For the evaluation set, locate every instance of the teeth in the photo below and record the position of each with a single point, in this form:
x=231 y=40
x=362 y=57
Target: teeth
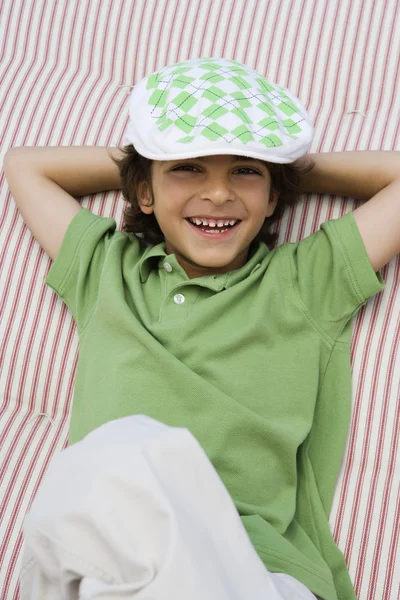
x=211 y=223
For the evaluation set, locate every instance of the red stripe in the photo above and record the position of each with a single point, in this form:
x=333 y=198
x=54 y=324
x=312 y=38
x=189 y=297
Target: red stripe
x=217 y=22
x=190 y=52
x=267 y=6
x=394 y=546
x=227 y=28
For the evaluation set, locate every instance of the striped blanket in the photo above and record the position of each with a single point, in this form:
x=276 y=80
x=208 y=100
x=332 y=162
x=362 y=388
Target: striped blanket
x=66 y=70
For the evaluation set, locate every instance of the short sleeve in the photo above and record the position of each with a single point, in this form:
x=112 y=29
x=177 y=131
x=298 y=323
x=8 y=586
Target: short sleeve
x=331 y=273
x=75 y=274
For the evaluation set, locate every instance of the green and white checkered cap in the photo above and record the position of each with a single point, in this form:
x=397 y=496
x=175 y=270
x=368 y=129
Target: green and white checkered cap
x=210 y=106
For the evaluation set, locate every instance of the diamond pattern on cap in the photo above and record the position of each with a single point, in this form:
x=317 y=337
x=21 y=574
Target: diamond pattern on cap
x=238 y=103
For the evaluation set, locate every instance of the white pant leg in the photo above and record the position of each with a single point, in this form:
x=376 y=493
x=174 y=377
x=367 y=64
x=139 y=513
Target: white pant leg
x=136 y=509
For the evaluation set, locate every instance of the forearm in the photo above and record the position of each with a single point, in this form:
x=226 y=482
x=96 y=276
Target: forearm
x=79 y=170
x=359 y=174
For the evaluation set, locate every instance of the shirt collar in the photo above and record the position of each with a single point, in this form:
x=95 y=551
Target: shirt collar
x=152 y=256
x=148 y=262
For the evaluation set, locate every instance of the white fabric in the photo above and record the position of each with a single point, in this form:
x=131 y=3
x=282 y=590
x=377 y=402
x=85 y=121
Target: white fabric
x=209 y=106
x=136 y=509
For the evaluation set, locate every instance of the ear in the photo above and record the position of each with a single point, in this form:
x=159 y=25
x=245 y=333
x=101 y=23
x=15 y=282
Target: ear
x=272 y=203
x=144 y=199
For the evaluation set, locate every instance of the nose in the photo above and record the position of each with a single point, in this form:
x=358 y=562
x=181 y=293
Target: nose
x=218 y=189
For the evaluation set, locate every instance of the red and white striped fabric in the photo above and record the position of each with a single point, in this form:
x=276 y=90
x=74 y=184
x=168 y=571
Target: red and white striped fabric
x=66 y=68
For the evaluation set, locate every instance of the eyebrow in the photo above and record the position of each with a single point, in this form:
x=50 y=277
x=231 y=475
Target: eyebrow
x=203 y=158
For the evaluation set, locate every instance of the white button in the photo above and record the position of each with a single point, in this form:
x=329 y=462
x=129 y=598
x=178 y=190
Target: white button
x=179 y=298
x=167 y=267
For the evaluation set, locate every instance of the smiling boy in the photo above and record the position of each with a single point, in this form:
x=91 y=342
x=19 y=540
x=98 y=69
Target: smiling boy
x=231 y=207
x=245 y=347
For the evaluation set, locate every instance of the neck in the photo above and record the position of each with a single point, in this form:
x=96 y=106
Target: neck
x=193 y=270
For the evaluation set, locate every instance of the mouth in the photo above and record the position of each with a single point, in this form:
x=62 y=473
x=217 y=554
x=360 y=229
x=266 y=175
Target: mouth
x=211 y=229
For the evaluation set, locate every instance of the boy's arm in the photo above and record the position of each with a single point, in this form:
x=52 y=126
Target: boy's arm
x=79 y=170
x=359 y=174
x=370 y=175
x=44 y=181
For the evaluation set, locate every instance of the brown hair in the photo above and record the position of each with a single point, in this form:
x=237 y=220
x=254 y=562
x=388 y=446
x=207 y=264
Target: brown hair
x=134 y=168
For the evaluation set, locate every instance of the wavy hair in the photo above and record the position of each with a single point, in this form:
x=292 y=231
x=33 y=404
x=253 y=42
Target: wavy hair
x=135 y=168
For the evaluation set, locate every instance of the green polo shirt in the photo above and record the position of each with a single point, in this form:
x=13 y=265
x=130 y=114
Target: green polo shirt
x=255 y=363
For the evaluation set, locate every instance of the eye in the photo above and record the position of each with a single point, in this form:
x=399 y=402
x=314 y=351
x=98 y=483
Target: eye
x=248 y=169
x=183 y=168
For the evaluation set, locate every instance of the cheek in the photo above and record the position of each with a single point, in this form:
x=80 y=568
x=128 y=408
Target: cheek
x=167 y=213
x=259 y=208
x=170 y=198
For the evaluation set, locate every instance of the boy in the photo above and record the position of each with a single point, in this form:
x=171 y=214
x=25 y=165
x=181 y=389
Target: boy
x=247 y=348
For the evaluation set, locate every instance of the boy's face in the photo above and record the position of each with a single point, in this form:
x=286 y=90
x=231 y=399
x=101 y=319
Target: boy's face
x=211 y=188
